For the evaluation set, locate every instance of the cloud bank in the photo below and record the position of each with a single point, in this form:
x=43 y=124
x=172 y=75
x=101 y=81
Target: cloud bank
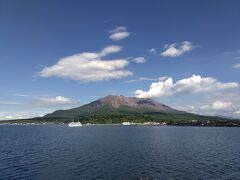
x=194 y=84
x=36 y=106
x=217 y=105
x=196 y=94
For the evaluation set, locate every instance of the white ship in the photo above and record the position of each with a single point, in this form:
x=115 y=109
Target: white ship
x=74 y=124
x=126 y=123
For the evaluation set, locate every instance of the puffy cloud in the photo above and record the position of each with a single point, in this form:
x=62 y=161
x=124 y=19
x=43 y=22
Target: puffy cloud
x=177 y=49
x=237 y=66
x=161 y=88
x=196 y=94
x=119 y=33
x=88 y=66
x=217 y=105
x=198 y=84
x=139 y=60
x=194 y=84
x=221 y=105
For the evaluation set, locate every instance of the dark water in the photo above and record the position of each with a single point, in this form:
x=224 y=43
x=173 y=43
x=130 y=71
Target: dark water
x=119 y=152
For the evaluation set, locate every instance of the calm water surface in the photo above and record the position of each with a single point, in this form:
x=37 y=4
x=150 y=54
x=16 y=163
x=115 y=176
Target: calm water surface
x=119 y=152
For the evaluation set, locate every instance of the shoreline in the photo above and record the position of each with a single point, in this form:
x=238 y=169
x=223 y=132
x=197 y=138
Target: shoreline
x=136 y=124
x=32 y=124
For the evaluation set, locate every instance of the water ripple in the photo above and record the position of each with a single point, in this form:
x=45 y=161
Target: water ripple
x=116 y=152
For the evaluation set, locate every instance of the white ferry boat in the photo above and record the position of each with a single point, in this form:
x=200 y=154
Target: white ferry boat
x=75 y=124
x=126 y=123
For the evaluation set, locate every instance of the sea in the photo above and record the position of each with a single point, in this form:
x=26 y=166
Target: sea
x=118 y=152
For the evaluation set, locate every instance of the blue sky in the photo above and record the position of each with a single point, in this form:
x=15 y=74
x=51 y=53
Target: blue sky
x=61 y=54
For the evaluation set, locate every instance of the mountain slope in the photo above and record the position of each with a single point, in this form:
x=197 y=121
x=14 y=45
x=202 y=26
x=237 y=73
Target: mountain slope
x=115 y=105
x=117 y=109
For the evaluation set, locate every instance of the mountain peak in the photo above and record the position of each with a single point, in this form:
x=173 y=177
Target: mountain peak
x=134 y=102
x=116 y=105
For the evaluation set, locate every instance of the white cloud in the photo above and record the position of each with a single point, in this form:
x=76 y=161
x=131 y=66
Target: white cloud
x=224 y=103
x=177 y=49
x=162 y=78
x=146 y=79
x=235 y=52
x=237 y=112
x=152 y=51
x=110 y=50
x=217 y=105
x=237 y=66
x=221 y=105
x=35 y=107
x=214 y=108
x=196 y=94
x=20 y=95
x=10 y=103
x=88 y=66
x=161 y=88
x=6 y=115
x=53 y=101
x=17 y=116
x=119 y=33
x=139 y=60
x=9 y=115
x=194 y=84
